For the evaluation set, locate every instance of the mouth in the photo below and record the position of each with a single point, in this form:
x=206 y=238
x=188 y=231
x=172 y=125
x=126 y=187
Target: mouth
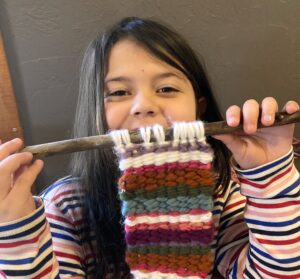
x=136 y=129
x=165 y=124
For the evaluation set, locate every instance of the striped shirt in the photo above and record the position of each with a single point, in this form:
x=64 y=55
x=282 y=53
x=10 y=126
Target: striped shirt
x=257 y=236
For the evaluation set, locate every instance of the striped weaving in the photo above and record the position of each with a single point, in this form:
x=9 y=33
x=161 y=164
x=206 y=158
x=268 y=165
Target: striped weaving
x=166 y=189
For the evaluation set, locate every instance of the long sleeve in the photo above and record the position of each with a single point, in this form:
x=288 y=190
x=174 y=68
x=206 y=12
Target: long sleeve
x=26 y=249
x=260 y=229
x=64 y=212
x=47 y=243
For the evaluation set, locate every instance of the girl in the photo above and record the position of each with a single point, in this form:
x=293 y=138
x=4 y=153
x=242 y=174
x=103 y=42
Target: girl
x=141 y=73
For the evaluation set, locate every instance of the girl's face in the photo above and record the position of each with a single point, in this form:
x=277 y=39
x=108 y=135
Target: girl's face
x=141 y=90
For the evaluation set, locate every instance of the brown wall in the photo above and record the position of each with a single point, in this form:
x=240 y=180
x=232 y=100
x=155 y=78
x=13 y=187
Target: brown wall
x=9 y=117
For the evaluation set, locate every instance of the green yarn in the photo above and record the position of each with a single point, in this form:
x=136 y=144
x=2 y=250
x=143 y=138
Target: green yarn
x=164 y=204
x=167 y=250
x=169 y=192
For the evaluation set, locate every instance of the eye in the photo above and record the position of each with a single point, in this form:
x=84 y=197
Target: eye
x=117 y=93
x=167 y=89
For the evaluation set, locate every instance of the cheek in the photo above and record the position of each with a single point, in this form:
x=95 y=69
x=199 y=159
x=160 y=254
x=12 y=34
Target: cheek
x=185 y=113
x=183 y=108
x=115 y=115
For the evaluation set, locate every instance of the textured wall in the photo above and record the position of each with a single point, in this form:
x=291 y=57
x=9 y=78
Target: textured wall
x=251 y=50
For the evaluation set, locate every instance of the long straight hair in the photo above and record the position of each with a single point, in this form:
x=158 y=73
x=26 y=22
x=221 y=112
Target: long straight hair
x=97 y=169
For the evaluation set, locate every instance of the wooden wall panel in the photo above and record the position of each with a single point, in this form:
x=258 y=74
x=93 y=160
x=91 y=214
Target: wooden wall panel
x=9 y=117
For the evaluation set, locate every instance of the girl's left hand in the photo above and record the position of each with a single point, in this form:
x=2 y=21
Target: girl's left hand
x=254 y=147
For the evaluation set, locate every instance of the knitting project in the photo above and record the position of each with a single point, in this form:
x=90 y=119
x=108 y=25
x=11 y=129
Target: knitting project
x=166 y=189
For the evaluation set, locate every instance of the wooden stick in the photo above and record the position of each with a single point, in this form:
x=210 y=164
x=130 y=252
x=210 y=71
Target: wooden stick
x=103 y=141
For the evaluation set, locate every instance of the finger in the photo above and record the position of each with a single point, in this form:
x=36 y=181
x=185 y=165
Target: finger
x=227 y=139
x=18 y=172
x=291 y=107
x=27 y=178
x=233 y=116
x=10 y=147
x=250 y=116
x=12 y=163
x=7 y=169
x=269 y=107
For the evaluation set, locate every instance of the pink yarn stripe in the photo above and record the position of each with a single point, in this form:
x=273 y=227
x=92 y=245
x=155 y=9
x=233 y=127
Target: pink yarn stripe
x=182 y=226
x=169 y=166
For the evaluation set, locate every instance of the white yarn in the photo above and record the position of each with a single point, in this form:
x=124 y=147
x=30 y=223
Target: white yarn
x=200 y=131
x=159 y=134
x=180 y=132
x=192 y=218
x=121 y=139
x=145 y=133
x=191 y=133
x=159 y=275
x=183 y=133
x=126 y=137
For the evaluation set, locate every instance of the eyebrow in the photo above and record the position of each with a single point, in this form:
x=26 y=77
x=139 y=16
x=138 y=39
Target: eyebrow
x=155 y=78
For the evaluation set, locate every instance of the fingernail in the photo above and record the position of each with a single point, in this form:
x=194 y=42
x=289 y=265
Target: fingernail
x=268 y=117
x=232 y=121
x=251 y=128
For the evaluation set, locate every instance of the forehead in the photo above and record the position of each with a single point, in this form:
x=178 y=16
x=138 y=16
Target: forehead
x=128 y=55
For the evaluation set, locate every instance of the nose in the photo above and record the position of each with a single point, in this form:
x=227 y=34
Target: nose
x=144 y=105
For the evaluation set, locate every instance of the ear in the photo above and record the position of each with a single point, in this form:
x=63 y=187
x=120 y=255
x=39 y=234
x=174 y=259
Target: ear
x=201 y=107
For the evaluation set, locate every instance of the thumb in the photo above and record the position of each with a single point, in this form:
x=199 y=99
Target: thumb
x=233 y=142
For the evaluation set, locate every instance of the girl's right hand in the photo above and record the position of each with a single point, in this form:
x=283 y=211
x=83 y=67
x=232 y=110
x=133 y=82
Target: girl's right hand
x=17 y=174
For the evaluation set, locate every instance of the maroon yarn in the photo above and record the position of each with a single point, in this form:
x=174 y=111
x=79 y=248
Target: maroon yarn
x=203 y=236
